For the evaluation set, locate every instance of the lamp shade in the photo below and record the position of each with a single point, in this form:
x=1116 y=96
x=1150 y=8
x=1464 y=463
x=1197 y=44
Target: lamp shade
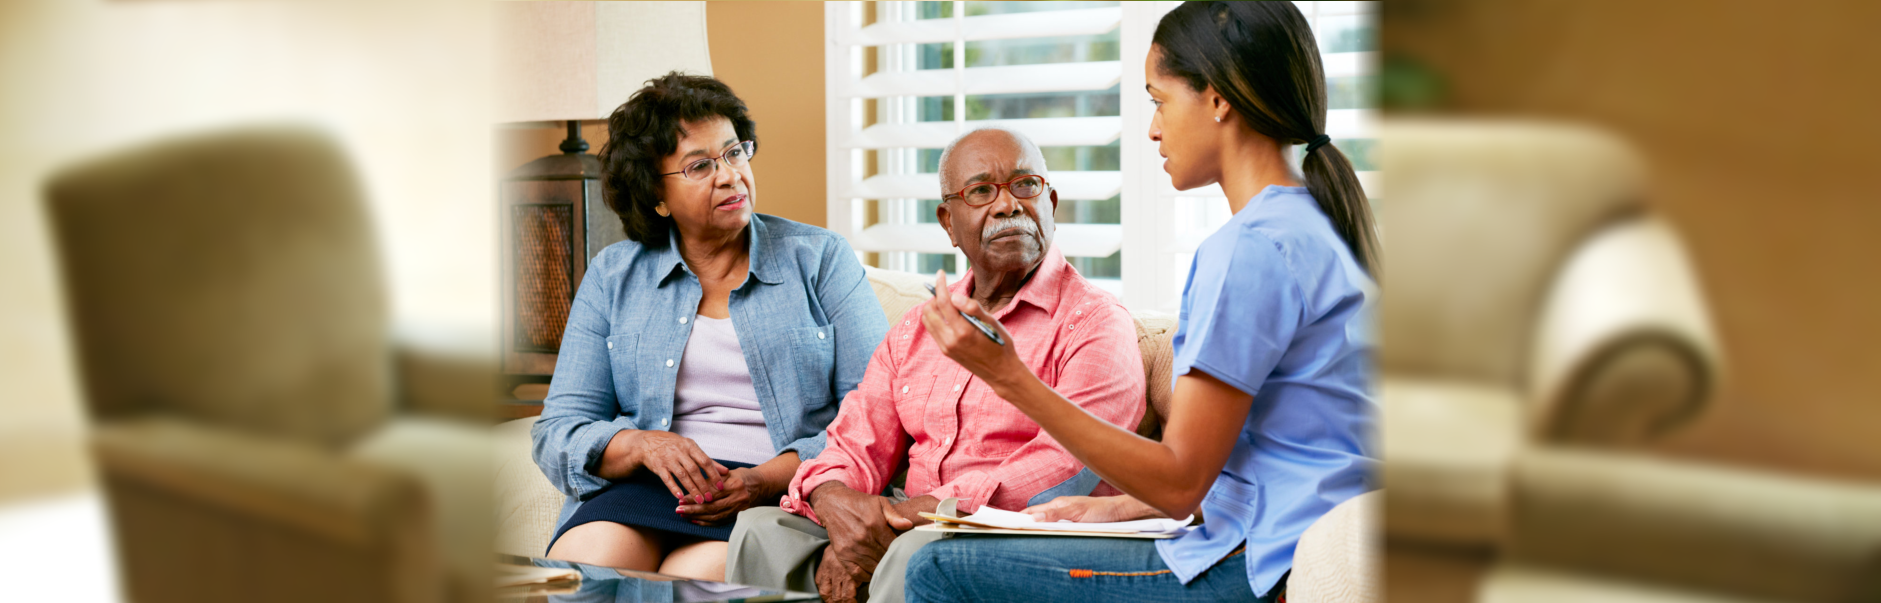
x=579 y=60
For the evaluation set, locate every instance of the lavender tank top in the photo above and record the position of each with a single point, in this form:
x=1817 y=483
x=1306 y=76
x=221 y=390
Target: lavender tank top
x=713 y=401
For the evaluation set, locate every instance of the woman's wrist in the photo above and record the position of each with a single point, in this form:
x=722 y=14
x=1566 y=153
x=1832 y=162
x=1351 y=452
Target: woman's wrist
x=1132 y=509
x=621 y=456
x=1011 y=382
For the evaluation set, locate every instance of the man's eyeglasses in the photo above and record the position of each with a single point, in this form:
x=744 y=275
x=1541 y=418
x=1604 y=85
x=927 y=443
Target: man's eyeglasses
x=982 y=193
x=737 y=156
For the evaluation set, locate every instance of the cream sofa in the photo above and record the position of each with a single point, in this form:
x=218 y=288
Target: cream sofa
x=527 y=505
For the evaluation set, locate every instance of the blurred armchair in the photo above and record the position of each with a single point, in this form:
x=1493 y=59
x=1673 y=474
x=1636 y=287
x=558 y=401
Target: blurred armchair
x=1529 y=299
x=1540 y=329
x=225 y=299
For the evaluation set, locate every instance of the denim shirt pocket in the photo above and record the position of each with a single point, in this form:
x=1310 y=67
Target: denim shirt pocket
x=621 y=352
x=813 y=363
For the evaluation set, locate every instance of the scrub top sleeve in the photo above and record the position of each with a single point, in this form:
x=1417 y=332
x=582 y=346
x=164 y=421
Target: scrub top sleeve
x=1243 y=309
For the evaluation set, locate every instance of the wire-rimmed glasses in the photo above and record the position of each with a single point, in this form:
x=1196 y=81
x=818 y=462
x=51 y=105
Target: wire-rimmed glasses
x=736 y=156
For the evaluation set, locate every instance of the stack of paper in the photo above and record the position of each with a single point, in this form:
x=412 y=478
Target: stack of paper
x=997 y=521
x=520 y=575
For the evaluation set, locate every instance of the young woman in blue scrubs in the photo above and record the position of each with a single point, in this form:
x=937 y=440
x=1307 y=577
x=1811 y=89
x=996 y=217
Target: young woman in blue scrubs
x=1272 y=422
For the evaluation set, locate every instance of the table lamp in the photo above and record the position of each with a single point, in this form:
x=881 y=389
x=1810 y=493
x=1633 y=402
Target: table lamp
x=560 y=63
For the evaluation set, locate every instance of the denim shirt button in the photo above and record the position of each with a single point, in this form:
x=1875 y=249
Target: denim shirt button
x=682 y=320
x=819 y=334
x=669 y=362
x=610 y=345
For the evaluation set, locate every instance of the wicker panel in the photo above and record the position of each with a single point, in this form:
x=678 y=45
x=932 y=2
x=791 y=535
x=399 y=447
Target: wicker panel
x=544 y=275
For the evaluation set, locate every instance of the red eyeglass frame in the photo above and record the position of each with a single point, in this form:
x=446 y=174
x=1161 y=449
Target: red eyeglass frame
x=1043 y=186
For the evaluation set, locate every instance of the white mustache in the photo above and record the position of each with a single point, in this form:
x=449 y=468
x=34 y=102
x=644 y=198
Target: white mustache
x=1021 y=221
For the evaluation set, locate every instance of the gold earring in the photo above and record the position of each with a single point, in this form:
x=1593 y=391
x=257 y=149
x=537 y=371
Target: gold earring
x=662 y=211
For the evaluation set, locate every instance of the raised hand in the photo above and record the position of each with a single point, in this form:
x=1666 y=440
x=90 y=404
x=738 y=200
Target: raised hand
x=962 y=342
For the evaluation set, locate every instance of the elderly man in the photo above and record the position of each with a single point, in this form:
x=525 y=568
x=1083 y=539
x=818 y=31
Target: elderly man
x=918 y=410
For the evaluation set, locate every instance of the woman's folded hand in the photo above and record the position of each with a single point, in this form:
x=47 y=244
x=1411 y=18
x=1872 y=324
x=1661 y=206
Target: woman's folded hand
x=687 y=471
x=741 y=489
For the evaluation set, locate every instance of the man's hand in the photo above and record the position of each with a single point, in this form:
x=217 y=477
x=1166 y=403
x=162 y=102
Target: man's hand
x=840 y=580
x=860 y=527
x=1092 y=509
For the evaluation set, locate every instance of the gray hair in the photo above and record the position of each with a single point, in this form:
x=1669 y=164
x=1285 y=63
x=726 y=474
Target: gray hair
x=1025 y=144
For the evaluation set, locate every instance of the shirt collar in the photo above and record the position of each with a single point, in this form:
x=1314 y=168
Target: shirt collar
x=759 y=265
x=1044 y=289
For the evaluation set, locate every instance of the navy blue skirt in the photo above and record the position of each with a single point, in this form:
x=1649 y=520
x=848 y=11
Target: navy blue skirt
x=642 y=501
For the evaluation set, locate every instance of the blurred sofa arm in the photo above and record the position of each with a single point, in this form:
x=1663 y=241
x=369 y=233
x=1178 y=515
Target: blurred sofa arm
x=207 y=514
x=1694 y=526
x=1623 y=351
x=1340 y=558
x=446 y=370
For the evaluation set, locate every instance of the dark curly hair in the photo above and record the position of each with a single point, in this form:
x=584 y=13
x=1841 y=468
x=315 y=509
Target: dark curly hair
x=644 y=130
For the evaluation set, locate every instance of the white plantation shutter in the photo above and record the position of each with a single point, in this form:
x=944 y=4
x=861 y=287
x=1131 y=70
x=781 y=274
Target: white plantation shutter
x=1164 y=226
x=943 y=68
x=1121 y=221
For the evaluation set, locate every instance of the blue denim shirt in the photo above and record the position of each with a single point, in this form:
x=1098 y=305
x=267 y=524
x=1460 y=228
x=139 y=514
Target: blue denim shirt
x=806 y=317
x=1276 y=307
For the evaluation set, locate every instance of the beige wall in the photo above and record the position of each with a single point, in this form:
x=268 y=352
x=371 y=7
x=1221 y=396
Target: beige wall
x=771 y=54
x=1760 y=124
x=402 y=85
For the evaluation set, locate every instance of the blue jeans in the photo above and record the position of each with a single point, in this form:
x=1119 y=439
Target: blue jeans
x=1069 y=569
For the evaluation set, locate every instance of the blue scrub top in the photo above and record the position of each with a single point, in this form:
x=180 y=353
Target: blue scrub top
x=1277 y=307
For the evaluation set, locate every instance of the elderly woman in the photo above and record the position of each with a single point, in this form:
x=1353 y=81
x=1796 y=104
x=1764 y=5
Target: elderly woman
x=705 y=355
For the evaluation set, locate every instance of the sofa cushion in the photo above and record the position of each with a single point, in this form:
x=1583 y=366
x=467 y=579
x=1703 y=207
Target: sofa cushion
x=527 y=505
x=1155 y=334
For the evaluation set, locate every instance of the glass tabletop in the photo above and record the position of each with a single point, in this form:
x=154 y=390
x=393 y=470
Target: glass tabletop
x=598 y=584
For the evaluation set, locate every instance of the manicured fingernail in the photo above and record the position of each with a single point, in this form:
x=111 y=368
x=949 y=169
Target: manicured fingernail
x=721 y=485
x=708 y=498
x=698 y=498
x=679 y=510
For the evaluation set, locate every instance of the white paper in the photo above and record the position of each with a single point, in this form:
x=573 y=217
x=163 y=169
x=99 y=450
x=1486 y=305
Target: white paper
x=1013 y=520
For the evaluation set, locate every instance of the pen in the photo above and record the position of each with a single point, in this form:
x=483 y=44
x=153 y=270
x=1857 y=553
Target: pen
x=990 y=333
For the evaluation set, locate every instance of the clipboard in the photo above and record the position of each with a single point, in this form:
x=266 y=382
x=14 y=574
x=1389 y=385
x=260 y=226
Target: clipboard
x=946 y=520
x=937 y=526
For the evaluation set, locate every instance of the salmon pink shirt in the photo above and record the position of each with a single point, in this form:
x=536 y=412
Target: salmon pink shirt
x=917 y=408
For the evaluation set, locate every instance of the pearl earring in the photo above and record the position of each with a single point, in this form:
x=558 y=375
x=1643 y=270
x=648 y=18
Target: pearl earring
x=1217 y=120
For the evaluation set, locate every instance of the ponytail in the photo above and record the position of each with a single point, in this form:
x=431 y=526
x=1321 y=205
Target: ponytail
x=1262 y=58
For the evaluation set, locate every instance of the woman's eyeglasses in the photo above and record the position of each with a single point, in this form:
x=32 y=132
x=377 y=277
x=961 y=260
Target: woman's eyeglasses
x=737 y=156
x=982 y=193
